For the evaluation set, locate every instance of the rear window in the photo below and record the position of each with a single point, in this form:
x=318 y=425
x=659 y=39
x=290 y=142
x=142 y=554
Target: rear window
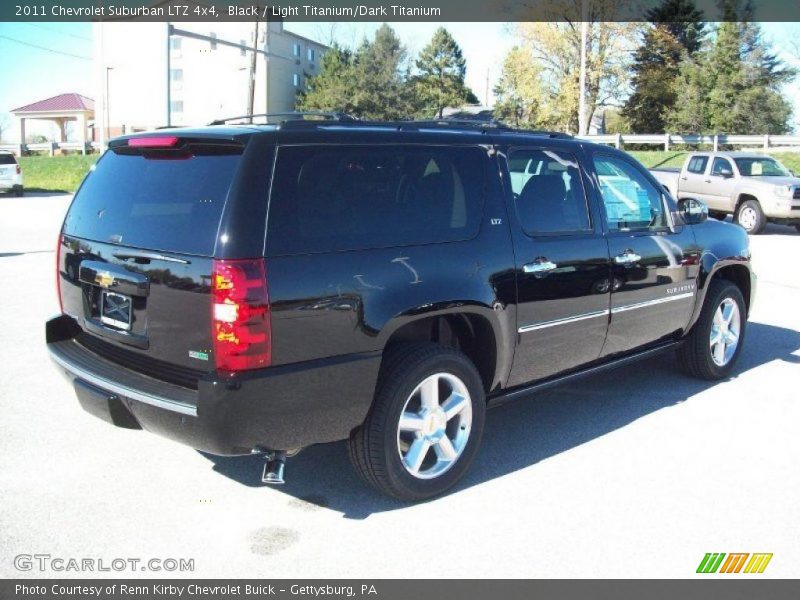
x=163 y=203
x=697 y=164
x=7 y=159
x=355 y=197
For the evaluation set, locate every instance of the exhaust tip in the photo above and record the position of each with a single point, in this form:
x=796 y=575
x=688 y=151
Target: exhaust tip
x=274 y=468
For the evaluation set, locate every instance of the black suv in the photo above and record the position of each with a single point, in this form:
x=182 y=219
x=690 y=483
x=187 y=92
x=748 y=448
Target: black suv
x=262 y=288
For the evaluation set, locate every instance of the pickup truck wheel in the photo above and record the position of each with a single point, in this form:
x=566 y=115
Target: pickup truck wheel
x=425 y=425
x=751 y=217
x=711 y=349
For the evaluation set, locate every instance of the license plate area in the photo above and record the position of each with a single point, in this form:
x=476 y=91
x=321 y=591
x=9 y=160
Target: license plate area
x=116 y=310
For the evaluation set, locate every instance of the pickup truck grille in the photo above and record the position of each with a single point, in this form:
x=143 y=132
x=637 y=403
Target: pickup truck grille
x=157 y=369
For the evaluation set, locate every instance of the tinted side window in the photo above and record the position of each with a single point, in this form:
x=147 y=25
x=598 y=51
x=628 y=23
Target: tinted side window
x=631 y=202
x=548 y=192
x=697 y=164
x=7 y=159
x=719 y=165
x=327 y=198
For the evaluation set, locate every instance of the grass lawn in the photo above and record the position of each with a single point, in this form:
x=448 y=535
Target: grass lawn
x=659 y=158
x=55 y=173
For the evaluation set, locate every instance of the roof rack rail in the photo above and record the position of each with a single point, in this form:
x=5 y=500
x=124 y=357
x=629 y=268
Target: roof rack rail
x=290 y=116
x=498 y=126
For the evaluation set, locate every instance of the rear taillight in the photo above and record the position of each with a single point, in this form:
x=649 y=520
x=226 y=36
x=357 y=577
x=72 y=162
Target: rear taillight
x=19 y=170
x=241 y=323
x=58 y=272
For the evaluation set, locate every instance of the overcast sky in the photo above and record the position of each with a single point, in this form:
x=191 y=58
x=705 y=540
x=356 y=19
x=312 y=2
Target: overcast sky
x=45 y=59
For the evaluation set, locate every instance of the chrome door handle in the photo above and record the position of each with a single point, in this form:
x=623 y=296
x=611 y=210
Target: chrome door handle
x=626 y=258
x=684 y=178
x=539 y=266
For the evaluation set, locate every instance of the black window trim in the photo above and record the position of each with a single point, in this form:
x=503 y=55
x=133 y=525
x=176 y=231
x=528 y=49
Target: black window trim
x=483 y=149
x=707 y=158
x=669 y=228
x=591 y=231
x=726 y=159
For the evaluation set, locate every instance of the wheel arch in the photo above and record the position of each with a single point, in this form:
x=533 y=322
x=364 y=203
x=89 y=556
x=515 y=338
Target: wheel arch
x=735 y=271
x=475 y=331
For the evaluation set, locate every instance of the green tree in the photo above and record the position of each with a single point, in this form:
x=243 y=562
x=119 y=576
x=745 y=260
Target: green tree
x=738 y=81
x=380 y=85
x=331 y=88
x=439 y=82
x=520 y=99
x=370 y=83
x=675 y=34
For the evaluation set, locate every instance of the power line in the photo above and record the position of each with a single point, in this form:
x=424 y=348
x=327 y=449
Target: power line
x=10 y=39
x=59 y=31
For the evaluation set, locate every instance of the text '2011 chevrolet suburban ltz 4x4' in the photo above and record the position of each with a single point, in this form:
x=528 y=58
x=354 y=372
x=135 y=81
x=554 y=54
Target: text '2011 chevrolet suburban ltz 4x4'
x=263 y=288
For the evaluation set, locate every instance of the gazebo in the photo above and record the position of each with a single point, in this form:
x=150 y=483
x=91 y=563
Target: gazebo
x=59 y=109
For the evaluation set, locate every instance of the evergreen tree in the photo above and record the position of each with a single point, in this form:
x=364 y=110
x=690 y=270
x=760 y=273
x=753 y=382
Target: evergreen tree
x=738 y=81
x=675 y=34
x=331 y=88
x=380 y=86
x=440 y=81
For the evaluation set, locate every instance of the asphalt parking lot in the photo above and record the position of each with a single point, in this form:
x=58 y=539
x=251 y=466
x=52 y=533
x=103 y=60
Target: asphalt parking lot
x=634 y=474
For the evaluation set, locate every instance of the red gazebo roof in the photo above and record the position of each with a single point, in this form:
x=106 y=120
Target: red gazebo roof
x=62 y=102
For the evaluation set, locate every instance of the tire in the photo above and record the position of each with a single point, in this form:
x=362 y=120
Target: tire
x=19 y=192
x=382 y=453
x=797 y=227
x=750 y=217
x=719 y=216
x=696 y=356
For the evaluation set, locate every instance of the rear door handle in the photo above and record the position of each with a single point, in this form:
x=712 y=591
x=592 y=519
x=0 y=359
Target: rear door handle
x=627 y=258
x=539 y=266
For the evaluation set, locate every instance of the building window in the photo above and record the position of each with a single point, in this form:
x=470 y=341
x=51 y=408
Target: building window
x=296 y=79
x=213 y=41
x=243 y=50
x=175 y=43
x=176 y=106
x=176 y=75
x=297 y=50
x=310 y=55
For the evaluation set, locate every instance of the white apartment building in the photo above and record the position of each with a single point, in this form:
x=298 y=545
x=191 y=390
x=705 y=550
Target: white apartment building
x=150 y=75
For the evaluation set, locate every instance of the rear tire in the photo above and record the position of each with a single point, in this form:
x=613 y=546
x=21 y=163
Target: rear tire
x=711 y=349
x=19 y=192
x=425 y=425
x=750 y=217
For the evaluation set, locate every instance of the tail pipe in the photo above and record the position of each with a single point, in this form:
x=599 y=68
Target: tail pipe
x=274 y=467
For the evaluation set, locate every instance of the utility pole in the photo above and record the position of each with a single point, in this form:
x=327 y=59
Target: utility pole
x=169 y=74
x=252 y=92
x=486 y=95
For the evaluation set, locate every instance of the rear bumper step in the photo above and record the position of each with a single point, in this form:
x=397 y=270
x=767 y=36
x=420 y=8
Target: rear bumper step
x=80 y=363
x=287 y=406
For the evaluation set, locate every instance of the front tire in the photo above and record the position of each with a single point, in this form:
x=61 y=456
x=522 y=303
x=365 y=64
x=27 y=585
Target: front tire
x=425 y=424
x=711 y=349
x=750 y=217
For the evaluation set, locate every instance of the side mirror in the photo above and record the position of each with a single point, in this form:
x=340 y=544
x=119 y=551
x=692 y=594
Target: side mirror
x=692 y=211
x=725 y=173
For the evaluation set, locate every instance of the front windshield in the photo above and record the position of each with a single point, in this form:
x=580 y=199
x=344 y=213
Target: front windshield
x=761 y=167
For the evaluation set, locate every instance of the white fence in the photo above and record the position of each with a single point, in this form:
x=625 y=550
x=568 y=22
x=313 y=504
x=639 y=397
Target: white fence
x=50 y=147
x=667 y=140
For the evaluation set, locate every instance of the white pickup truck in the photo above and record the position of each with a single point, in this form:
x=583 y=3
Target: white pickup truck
x=754 y=188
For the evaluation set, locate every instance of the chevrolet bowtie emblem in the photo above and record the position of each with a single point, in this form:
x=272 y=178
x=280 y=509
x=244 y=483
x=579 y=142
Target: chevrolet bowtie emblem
x=104 y=279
